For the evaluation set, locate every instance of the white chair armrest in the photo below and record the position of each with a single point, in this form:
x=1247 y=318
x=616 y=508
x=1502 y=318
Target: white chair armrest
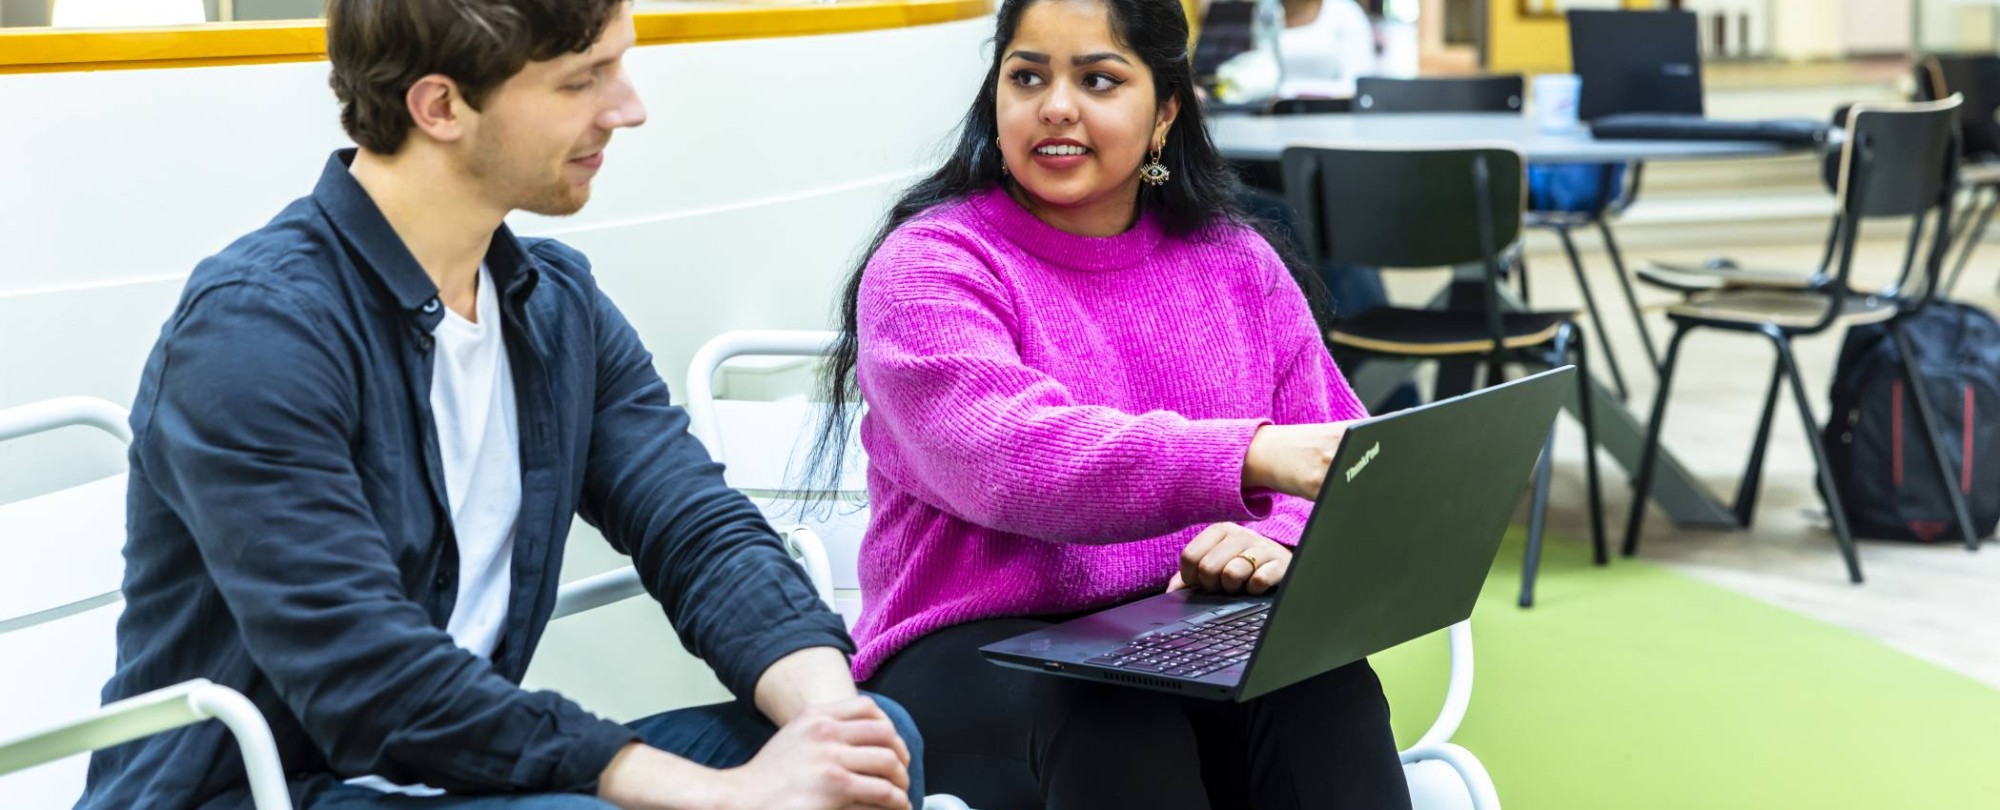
x=805 y=546
x=1478 y=784
x=49 y=414
x=591 y=593
x=1457 y=695
x=179 y=705
x=700 y=391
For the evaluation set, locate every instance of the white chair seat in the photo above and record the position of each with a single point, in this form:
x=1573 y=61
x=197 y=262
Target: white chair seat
x=766 y=446
x=61 y=663
x=840 y=527
x=1436 y=785
x=62 y=548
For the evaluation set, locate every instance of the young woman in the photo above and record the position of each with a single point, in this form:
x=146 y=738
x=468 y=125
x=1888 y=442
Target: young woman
x=1089 y=380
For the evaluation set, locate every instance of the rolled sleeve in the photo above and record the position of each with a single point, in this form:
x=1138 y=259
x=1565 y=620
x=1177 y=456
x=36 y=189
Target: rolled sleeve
x=733 y=595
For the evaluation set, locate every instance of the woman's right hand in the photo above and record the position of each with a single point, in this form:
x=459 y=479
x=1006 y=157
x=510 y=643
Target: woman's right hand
x=1292 y=459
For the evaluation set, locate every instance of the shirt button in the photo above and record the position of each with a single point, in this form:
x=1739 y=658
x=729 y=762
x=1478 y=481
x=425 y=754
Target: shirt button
x=443 y=578
x=430 y=306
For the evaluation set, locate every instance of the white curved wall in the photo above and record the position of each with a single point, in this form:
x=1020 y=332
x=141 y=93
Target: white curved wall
x=765 y=166
x=764 y=163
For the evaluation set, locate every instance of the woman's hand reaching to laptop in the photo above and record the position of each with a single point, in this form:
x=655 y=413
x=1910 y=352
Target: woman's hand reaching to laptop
x=1292 y=459
x=1227 y=558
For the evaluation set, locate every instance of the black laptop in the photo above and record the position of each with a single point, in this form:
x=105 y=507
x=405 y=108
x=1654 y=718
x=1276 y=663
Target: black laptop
x=1399 y=543
x=1636 y=62
x=1641 y=73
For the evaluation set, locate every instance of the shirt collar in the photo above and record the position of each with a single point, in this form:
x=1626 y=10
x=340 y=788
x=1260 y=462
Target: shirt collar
x=383 y=254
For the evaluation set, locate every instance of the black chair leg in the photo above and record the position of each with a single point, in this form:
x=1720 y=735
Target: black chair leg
x=1590 y=302
x=1631 y=298
x=1827 y=491
x=1538 y=502
x=1752 y=482
x=1538 y=509
x=1521 y=271
x=1642 y=490
x=1982 y=218
x=1927 y=421
x=1600 y=551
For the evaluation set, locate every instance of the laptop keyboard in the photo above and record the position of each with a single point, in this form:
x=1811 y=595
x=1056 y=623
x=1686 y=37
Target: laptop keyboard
x=1192 y=652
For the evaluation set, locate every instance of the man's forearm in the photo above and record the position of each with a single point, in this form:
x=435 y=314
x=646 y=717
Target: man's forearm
x=809 y=677
x=646 y=778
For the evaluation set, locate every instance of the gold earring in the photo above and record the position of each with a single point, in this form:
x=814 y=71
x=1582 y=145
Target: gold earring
x=1153 y=173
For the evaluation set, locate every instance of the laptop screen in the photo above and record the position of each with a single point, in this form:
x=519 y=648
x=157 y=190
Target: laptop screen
x=1636 y=61
x=1225 y=32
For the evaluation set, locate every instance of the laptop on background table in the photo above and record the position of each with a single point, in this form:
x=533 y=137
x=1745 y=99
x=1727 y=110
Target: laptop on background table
x=1398 y=545
x=1641 y=73
x=1636 y=62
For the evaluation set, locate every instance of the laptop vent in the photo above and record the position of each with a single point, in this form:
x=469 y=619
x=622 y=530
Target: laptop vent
x=1141 y=680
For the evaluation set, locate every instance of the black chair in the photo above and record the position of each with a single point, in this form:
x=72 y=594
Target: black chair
x=1895 y=162
x=1377 y=94
x=1426 y=208
x=1502 y=94
x=1976 y=77
x=1723 y=273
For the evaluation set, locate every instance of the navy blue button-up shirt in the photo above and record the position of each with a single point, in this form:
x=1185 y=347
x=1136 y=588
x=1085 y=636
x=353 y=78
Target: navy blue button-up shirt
x=288 y=533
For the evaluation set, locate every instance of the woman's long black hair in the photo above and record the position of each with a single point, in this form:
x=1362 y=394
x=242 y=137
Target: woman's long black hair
x=1202 y=190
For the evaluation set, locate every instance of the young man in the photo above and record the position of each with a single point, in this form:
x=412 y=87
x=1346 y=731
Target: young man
x=362 y=436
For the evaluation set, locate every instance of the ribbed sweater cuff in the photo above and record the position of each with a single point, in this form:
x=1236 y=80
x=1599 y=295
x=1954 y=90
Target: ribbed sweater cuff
x=1287 y=521
x=1213 y=458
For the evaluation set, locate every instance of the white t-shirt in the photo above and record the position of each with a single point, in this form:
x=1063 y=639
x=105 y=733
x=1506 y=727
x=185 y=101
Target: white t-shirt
x=1323 y=57
x=472 y=406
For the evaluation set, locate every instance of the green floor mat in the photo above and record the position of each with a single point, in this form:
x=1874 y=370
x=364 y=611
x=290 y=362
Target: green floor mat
x=1634 y=687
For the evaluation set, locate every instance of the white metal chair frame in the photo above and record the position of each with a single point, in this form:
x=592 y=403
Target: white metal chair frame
x=1434 y=745
x=198 y=700
x=182 y=704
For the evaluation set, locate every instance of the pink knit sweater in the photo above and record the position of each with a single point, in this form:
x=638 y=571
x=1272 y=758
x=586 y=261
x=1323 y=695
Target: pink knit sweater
x=1052 y=417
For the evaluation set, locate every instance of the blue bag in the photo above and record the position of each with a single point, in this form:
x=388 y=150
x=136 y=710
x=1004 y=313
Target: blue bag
x=1581 y=188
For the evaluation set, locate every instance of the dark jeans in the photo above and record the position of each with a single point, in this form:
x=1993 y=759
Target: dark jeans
x=724 y=735
x=1005 y=739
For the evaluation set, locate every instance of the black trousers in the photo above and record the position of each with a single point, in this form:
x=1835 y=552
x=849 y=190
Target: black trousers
x=1005 y=739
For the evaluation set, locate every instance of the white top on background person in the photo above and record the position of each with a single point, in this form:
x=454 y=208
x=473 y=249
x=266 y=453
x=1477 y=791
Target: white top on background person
x=1325 y=46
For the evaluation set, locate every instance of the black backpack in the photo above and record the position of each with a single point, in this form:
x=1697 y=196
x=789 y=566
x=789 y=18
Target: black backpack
x=1887 y=479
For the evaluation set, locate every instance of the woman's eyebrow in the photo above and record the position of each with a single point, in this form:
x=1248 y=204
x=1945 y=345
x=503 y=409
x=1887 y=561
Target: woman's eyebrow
x=1093 y=58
